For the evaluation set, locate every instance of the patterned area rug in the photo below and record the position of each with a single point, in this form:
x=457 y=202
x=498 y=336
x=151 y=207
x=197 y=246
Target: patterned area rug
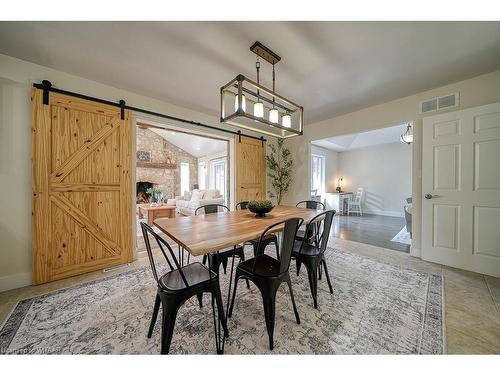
x=375 y=308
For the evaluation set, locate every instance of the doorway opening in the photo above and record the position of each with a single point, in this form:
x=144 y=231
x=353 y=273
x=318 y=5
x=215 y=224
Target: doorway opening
x=367 y=179
x=177 y=171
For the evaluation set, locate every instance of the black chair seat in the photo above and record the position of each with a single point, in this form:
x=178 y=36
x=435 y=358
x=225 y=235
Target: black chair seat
x=264 y=266
x=195 y=273
x=307 y=249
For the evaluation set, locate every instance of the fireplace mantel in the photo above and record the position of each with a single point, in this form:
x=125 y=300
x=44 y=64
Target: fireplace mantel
x=145 y=164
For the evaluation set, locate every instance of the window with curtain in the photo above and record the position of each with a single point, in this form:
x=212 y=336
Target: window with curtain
x=184 y=177
x=202 y=175
x=318 y=173
x=218 y=176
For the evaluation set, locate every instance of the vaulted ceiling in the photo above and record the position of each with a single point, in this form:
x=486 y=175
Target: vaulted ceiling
x=329 y=67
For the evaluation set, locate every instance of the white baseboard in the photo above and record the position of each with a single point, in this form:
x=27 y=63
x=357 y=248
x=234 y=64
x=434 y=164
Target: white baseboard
x=384 y=213
x=14 y=281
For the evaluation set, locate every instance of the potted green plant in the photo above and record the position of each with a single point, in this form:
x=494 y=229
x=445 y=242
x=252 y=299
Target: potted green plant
x=155 y=193
x=260 y=208
x=279 y=166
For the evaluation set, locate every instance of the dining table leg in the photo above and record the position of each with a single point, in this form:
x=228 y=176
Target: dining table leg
x=221 y=338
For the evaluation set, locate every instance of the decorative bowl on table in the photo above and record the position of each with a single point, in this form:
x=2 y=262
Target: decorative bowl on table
x=260 y=208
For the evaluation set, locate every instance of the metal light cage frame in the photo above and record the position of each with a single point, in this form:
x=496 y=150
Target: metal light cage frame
x=241 y=85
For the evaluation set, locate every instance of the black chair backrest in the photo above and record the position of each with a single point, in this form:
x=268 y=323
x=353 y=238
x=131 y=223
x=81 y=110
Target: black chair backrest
x=146 y=232
x=315 y=205
x=211 y=209
x=287 y=240
x=243 y=205
x=322 y=221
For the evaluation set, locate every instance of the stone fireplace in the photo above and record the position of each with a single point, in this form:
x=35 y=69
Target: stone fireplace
x=162 y=165
x=141 y=188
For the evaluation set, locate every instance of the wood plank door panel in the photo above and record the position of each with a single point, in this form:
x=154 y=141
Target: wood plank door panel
x=250 y=170
x=81 y=160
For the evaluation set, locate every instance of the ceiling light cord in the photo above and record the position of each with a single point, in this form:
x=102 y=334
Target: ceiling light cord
x=257 y=67
x=274 y=83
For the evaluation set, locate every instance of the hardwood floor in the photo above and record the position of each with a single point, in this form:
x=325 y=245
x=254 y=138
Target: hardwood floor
x=373 y=230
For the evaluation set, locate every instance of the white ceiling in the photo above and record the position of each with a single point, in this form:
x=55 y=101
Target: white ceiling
x=360 y=140
x=192 y=144
x=328 y=67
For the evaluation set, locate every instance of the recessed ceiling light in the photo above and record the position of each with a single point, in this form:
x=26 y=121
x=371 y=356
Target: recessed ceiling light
x=172 y=132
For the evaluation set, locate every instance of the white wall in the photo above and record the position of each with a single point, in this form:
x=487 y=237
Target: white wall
x=331 y=166
x=476 y=91
x=384 y=171
x=16 y=79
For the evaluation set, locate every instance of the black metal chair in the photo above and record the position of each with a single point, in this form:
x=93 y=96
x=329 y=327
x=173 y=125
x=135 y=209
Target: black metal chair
x=271 y=238
x=178 y=285
x=315 y=205
x=268 y=273
x=243 y=205
x=221 y=256
x=312 y=253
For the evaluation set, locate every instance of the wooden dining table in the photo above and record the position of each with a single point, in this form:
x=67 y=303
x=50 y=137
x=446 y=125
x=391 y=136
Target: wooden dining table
x=203 y=234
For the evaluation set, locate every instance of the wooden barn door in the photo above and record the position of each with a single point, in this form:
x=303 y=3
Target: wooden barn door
x=250 y=169
x=81 y=160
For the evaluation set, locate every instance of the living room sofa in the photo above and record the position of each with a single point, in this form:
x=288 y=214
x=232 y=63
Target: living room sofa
x=190 y=201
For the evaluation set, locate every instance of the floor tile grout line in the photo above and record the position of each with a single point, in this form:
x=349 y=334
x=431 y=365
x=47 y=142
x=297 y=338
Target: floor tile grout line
x=491 y=295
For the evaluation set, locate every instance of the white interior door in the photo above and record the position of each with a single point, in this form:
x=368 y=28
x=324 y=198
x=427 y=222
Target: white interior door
x=461 y=187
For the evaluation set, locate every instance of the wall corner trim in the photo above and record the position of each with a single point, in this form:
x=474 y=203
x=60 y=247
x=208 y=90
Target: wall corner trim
x=415 y=252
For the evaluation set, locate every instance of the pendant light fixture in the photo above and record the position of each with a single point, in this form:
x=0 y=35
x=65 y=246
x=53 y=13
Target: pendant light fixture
x=258 y=108
x=407 y=136
x=243 y=103
x=268 y=112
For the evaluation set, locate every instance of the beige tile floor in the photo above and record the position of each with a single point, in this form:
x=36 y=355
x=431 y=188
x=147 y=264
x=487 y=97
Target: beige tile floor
x=472 y=301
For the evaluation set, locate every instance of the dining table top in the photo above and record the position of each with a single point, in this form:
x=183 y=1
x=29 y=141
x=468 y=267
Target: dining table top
x=203 y=234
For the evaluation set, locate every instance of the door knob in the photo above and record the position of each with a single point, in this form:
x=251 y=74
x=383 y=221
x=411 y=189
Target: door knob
x=430 y=196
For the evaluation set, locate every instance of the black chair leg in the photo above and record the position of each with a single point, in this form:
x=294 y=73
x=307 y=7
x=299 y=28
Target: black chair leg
x=155 y=315
x=268 y=292
x=289 y=283
x=319 y=272
x=224 y=264
x=298 y=264
x=312 y=274
x=242 y=259
x=327 y=276
x=169 y=313
x=200 y=299
x=236 y=279
x=220 y=308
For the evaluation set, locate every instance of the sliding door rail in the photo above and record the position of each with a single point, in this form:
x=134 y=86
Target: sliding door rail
x=47 y=87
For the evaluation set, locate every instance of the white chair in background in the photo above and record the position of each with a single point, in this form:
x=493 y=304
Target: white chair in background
x=354 y=205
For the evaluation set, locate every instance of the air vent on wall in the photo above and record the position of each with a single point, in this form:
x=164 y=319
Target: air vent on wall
x=442 y=102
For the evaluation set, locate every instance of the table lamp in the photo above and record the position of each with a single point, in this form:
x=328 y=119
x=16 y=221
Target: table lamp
x=339 y=188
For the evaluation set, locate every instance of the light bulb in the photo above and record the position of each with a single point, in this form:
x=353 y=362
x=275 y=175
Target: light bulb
x=258 y=109
x=243 y=103
x=287 y=121
x=273 y=116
